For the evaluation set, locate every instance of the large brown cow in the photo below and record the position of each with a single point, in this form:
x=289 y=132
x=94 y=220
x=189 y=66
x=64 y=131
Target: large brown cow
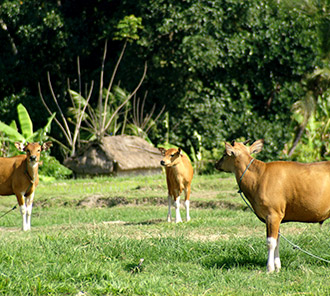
x=19 y=176
x=179 y=174
x=279 y=191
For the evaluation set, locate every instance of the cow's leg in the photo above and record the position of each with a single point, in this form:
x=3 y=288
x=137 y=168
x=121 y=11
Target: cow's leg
x=29 y=204
x=271 y=244
x=169 y=214
x=277 y=261
x=273 y=225
x=187 y=203
x=22 y=208
x=177 y=210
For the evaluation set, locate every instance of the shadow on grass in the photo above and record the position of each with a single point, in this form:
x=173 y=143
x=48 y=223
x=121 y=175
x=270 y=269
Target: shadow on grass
x=147 y=222
x=231 y=262
x=134 y=267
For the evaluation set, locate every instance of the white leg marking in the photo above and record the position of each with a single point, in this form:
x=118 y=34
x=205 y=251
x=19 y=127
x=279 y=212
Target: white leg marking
x=28 y=217
x=271 y=243
x=29 y=203
x=186 y=204
x=177 y=210
x=277 y=260
x=23 y=213
x=169 y=215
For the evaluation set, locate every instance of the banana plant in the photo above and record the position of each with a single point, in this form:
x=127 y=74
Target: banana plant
x=11 y=134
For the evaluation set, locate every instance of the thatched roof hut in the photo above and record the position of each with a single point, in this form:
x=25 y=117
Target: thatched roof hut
x=116 y=155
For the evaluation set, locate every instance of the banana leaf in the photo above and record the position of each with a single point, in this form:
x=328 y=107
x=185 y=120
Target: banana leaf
x=12 y=133
x=25 y=121
x=41 y=133
x=13 y=125
x=48 y=125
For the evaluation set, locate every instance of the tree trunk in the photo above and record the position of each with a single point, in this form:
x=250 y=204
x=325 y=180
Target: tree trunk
x=297 y=139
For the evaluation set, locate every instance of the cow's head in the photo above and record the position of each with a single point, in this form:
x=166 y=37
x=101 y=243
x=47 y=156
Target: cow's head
x=33 y=150
x=171 y=157
x=237 y=151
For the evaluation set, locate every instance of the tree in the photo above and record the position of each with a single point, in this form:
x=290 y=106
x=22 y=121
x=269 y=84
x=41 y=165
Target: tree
x=227 y=69
x=224 y=69
x=317 y=83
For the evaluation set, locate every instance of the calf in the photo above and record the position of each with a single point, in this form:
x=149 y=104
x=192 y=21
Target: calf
x=279 y=191
x=19 y=176
x=179 y=174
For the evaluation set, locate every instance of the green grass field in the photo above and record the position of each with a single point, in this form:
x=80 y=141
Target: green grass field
x=89 y=235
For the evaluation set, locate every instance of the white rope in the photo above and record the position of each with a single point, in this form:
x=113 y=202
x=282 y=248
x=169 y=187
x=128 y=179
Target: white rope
x=291 y=243
x=14 y=207
x=302 y=250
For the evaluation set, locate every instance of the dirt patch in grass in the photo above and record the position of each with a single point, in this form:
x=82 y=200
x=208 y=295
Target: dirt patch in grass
x=101 y=201
x=10 y=229
x=217 y=204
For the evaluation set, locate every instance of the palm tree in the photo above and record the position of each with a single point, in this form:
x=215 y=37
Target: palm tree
x=316 y=84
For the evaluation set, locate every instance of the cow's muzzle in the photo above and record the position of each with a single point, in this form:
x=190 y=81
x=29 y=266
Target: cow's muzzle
x=218 y=164
x=33 y=158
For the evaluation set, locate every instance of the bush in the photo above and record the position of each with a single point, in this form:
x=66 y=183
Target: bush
x=51 y=167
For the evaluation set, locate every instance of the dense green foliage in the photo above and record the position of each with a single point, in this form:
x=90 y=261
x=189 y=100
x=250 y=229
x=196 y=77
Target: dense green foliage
x=224 y=69
x=235 y=68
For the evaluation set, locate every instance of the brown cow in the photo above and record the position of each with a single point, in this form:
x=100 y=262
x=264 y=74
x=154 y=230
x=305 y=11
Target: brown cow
x=19 y=176
x=179 y=174
x=279 y=191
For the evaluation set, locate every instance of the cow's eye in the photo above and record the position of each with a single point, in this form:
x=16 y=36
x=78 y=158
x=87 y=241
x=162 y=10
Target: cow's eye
x=172 y=155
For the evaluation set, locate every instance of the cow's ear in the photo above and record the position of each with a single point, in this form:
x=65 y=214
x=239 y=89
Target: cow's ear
x=20 y=146
x=229 y=149
x=46 y=146
x=180 y=151
x=257 y=146
x=162 y=150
